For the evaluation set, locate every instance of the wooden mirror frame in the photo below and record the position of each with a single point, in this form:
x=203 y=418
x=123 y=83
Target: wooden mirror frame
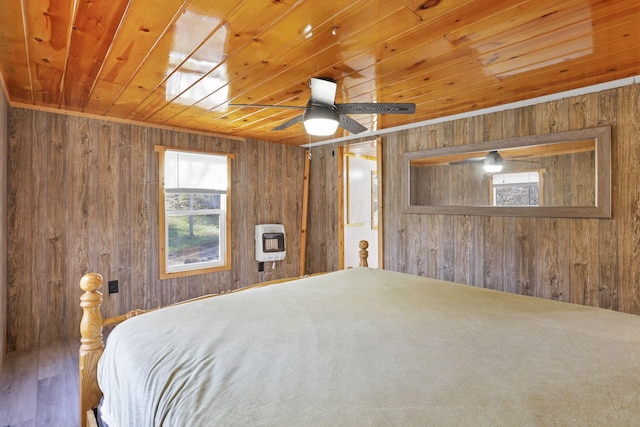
x=602 y=209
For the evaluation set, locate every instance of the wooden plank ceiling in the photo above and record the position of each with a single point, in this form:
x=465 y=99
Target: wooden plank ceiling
x=180 y=63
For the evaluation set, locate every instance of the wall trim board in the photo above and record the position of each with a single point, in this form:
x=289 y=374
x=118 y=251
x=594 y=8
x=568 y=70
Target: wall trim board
x=3 y=89
x=123 y=121
x=4 y=144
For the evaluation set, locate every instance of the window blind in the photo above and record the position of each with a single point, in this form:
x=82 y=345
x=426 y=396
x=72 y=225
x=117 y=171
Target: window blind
x=195 y=173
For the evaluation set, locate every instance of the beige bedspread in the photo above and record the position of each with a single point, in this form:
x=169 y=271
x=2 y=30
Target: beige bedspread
x=371 y=347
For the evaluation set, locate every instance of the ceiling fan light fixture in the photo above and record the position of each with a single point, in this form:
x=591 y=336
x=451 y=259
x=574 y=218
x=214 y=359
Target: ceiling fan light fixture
x=321 y=121
x=493 y=162
x=493 y=168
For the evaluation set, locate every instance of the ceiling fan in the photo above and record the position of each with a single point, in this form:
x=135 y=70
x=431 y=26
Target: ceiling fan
x=322 y=116
x=491 y=163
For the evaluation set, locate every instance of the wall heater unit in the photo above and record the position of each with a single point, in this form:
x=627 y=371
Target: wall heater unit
x=270 y=242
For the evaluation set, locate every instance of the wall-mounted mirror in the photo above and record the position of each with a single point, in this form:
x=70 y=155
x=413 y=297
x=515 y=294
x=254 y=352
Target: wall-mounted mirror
x=565 y=174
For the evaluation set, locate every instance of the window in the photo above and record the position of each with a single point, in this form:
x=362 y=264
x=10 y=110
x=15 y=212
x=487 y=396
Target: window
x=516 y=189
x=194 y=221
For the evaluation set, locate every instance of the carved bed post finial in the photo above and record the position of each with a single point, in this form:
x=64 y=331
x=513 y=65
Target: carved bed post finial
x=91 y=342
x=364 y=254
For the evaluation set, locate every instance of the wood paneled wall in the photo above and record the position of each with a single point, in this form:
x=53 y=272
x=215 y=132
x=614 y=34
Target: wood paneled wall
x=3 y=222
x=586 y=261
x=83 y=197
x=322 y=224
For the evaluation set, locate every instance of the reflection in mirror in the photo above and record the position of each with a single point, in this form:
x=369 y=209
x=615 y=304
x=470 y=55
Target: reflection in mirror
x=562 y=174
x=521 y=188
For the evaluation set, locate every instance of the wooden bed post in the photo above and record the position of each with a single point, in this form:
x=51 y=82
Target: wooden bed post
x=364 y=254
x=91 y=343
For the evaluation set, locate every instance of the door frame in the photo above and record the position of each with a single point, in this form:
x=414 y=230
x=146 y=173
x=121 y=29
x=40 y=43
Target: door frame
x=343 y=153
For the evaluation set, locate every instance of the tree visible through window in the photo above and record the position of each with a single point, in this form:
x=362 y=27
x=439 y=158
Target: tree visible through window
x=516 y=189
x=194 y=234
x=194 y=223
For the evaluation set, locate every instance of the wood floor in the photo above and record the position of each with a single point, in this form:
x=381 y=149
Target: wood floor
x=40 y=387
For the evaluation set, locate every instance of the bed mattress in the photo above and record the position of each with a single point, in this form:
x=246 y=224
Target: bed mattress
x=372 y=347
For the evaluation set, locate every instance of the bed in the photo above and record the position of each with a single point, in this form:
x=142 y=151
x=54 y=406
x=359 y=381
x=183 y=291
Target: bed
x=371 y=347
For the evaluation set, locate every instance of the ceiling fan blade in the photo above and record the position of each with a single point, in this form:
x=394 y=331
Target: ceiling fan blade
x=291 y=122
x=267 y=106
x=518 y=159
x=323 y=91
x=468 y=160
x=351 y=125
x=376 y=108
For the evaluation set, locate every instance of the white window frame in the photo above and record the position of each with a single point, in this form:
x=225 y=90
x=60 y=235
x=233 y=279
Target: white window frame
x=224 y=263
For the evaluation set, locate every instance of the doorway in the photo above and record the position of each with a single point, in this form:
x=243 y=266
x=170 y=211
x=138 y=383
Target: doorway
x=361 y=202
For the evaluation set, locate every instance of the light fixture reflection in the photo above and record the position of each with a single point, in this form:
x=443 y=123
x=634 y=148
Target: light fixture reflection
x=493 y=162
x=200 y=76
x=308 y=31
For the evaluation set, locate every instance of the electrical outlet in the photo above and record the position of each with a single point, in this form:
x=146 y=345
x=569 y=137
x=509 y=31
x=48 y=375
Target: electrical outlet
x=113 y=286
